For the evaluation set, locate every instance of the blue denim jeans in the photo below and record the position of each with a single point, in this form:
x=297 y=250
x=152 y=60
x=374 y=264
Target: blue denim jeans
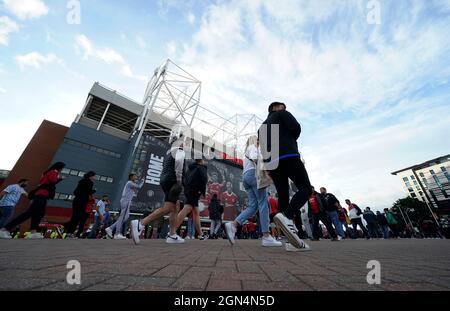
x=385 y=231
x=257 y=201
x=190 y=227
x=6 y=212
x=336 y=223
x=95 y=226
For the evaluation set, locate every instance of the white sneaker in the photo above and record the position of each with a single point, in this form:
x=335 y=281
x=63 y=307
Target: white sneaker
x=187 y=237
x=339 y=237
x=136 y=230
x=230 y=229
x=4 y=234
x=290 y=231
x=35 y=235
x=109 y=233
x=174 y=239
x=270 y=242
x=119 y=237
x=291 y=248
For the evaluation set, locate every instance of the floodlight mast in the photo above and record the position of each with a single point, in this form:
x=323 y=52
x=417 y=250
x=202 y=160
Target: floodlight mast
x=170 y=90
x=174 y=94
x=151 y=93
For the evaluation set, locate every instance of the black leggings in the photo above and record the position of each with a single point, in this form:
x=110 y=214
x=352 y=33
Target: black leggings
x=291 y=168
x=35 y=211
x=78 y=218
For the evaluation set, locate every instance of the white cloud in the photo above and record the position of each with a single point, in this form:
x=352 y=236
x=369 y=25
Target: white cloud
x=171 y=48
x=141 y=42
x=26 y=9
x=36 y=60
x=2 y=90
x=7 y=26
x=190 y=18
x=325 y=62
x=105 y=54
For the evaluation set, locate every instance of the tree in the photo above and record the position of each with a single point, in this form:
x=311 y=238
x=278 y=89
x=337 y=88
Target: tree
x=416 y=210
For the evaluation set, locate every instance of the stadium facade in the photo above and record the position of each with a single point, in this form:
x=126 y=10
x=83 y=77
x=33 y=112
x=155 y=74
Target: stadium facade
x=114 y=135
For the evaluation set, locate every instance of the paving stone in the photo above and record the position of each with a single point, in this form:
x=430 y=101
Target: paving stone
x=216 y=265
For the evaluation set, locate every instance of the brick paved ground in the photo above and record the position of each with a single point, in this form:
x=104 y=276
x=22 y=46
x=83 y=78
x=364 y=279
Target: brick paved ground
x=215 y=265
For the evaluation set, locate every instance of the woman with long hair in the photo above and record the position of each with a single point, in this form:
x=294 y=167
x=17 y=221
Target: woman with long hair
x=39 y=196
x=82 y=192
x=257 y=198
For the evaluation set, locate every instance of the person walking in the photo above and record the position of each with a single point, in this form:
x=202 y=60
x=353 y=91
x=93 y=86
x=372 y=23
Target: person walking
x=215 y=215
x=343 y=218
x=45 y=190
x=306 y=221
x=331 y=206
x=129 y=192
x=190 y=227
x=392 y=223
x=257 y=198
x=171 y=183
x=355 y=216
x=273 y=210
x=194 y=187
x=99 y=211
x=317 y=210
x=283 y=164
x=371 y=221
x=82 y=192
x=9 y=198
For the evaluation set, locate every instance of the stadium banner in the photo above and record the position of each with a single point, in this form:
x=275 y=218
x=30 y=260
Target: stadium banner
x=224 y=180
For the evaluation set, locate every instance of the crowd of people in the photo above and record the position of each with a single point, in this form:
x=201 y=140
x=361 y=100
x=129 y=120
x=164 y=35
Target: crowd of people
x=268 y=217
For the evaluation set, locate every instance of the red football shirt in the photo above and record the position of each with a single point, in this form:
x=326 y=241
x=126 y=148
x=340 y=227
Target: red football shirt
x=314 y=204
x=48 y=178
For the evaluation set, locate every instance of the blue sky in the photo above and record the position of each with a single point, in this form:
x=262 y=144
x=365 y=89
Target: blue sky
x=371 y=98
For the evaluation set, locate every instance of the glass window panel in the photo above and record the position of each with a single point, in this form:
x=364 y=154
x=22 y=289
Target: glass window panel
x=65 y=171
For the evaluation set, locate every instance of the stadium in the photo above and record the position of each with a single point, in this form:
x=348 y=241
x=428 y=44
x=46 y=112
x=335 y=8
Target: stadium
x=114 y=135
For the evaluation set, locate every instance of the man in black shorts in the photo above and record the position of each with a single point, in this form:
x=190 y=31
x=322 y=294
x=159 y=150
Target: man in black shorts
x=194 y=186
x=171 y=179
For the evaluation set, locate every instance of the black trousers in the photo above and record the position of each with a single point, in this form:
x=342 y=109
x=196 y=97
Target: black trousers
x=355 y=223
x=291 y=168
x=35 y=211
x=78 y=216
x=323 y=217
x=373 y=230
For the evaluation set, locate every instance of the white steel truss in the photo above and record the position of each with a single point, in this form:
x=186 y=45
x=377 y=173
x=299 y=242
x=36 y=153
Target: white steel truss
x=174 y=94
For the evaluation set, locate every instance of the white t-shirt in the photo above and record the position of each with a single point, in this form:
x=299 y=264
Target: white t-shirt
x=101 y=207
x=12 y=196
x=250 y=154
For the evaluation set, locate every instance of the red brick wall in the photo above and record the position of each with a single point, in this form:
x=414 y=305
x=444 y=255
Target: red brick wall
x=35 y=159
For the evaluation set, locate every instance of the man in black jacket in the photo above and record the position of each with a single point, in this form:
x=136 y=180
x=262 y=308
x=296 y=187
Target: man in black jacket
x=194 y=187
x=332 y=206
x=278 y=140
x=371 y=220
x=316 y=212
x=382 y=222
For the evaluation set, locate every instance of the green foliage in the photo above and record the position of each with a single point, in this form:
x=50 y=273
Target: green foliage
x=417 y=210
